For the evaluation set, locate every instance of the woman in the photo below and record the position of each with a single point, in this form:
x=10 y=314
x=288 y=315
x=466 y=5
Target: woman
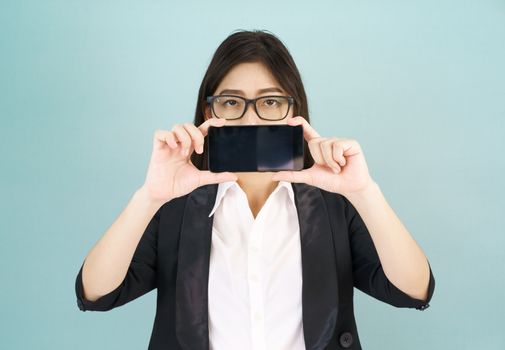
x=257 y=260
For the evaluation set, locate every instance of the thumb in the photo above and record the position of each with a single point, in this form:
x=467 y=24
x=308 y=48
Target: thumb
x=293 y=176
x=207 y=177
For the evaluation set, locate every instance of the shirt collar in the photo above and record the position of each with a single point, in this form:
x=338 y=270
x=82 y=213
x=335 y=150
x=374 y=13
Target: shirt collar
x=224 y=186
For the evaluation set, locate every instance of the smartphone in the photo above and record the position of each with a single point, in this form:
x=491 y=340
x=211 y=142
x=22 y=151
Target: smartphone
x=249 y=148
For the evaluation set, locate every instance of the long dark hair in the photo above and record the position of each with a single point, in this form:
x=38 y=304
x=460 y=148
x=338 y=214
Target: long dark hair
x=252 y=46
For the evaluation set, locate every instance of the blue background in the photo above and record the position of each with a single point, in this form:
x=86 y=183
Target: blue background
x=84 y=84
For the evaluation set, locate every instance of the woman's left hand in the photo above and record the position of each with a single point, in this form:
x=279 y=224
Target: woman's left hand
x=339 y=164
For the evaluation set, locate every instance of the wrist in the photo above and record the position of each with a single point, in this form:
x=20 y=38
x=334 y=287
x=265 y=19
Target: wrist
x=370 y=190
x=143 y=196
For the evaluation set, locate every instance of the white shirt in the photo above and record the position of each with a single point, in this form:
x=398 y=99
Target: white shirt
x=255 y=272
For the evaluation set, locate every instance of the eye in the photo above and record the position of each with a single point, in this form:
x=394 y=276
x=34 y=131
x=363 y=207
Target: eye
x=271 y=102
x=228 y=102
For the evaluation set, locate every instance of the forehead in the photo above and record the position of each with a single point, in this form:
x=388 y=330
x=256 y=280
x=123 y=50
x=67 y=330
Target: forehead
x=248 y=77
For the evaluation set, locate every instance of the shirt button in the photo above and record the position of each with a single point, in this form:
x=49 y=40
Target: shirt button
x=423 y=307
x=346 y=339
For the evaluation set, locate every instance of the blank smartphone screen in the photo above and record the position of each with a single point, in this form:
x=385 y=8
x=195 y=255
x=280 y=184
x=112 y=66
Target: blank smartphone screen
x=240 y=148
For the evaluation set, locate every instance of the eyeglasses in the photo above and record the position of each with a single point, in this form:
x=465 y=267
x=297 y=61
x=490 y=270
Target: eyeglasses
x=234 y=107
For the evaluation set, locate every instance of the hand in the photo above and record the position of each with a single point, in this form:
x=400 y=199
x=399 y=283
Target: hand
x=339 y=164
x=171 y=173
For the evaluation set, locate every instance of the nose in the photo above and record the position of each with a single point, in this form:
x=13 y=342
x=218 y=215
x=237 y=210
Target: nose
x=250 y=117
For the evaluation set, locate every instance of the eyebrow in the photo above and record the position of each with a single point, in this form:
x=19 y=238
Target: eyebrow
x=240 y=92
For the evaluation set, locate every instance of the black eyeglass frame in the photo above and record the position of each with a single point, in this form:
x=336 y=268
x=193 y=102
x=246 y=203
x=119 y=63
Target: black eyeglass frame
x=210 y=101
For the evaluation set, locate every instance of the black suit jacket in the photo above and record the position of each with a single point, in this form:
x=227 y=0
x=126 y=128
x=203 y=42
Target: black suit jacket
x=173 y=257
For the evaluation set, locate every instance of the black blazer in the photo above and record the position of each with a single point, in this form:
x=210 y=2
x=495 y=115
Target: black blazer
x=173 y=256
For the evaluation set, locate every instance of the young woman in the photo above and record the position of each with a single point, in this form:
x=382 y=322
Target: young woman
x=262 y=260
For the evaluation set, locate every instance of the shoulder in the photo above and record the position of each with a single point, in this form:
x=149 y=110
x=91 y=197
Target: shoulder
x=337 y=206
x=340 y=208
x=176 y=207
x=337 y=201
x=173 y=209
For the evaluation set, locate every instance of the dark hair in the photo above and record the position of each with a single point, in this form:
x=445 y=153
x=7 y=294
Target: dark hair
x=251 y=46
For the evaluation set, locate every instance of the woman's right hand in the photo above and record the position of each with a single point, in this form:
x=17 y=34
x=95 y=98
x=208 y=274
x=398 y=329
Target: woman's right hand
x=171 y=173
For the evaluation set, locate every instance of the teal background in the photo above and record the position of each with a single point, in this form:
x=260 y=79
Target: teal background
x=84 y=84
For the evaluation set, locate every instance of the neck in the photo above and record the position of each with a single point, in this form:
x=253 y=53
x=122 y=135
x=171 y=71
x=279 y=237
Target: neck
x=257 y=186
x=256 y=183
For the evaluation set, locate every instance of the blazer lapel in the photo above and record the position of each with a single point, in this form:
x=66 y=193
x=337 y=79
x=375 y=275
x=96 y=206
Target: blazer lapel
x=319 y=291
x=319 y=272
x=191 y=291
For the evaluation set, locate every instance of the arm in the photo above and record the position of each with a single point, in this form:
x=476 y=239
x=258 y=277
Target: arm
x=400 y=258
x=341 y=168
x=122 y=264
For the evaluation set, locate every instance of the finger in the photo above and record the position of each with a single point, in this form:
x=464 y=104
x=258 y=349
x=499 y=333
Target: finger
x=171 y=139
x=349 y=147
x=309 y=132
x=162 y=137
x=338 y=153
x=204 y=127
x=304 y=176
x=315 y=151
x=326 y=151
x=196 y=136
x=207 y=177
x=183 y=137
